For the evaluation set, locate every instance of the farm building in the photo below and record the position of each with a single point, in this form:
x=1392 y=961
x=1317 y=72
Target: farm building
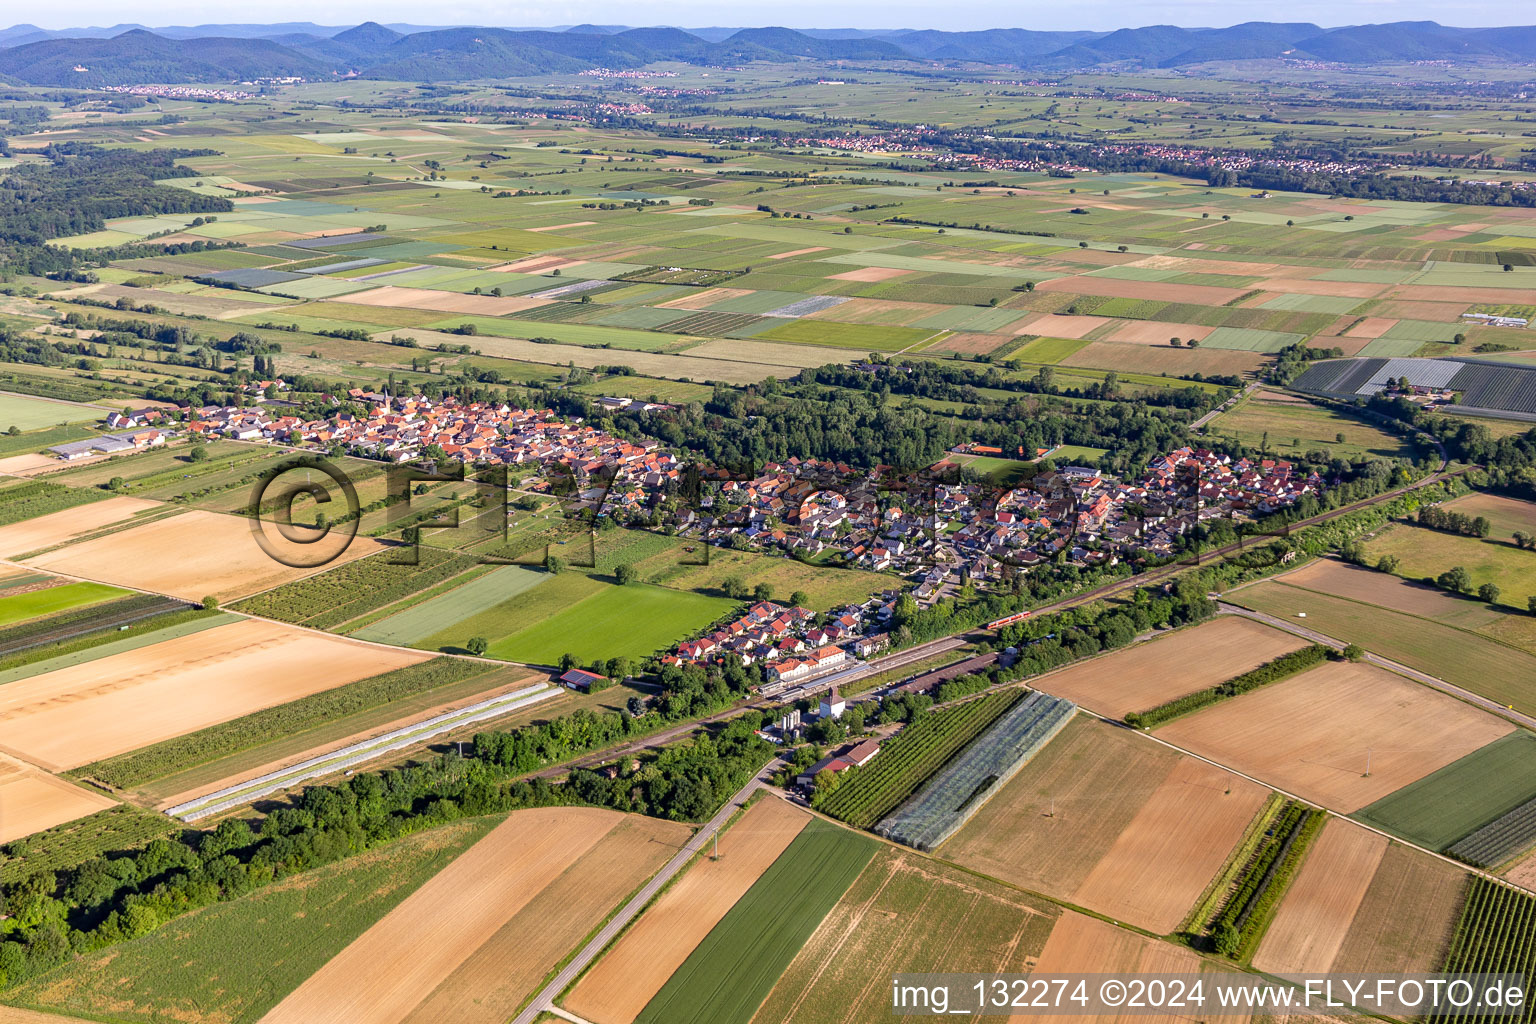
x=580 y=679
x=855 y=756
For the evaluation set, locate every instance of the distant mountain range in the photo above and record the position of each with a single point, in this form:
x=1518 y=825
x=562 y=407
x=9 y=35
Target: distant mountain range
x=133 y=54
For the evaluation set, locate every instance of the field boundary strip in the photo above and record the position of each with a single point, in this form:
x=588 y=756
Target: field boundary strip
x=356 y=753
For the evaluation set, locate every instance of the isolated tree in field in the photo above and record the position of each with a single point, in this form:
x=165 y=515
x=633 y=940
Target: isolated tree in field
x=1459 y=338
x=1388 y=563
x=1455 y=579
x=117 y=483
x=477 y=645
x=1176 y=342
x=211 y=603
x=554 y=565
x=1194 y=342
x=198 y=453
x=1489 y=592
x=1354 y=652
x=14 y=430
x=763 y=592
x=800 y=599
x=1509 y=268
x=1339 y=437
x=1481 y=527
x=1524 y=540
x=735 y=587
x=1530 y=604
x=625 y=574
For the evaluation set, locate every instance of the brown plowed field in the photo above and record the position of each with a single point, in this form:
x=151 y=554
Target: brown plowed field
x=31 y=801
x=384 y=976
x=1412 y=309
x=122 y=702
x=488 y=987
x=1199 y=294
x=447 y=302
x=1156 y=332
x=46 y=531
x=1310 y=734
x=633 y=971
x=1163 y=860
x=1371 y=327
x=25 y=465
x=1463 y=295
x=972 y=343
x=1317 y=910
x=1143 y=676
x=1198 y=266
x=1095 y=777
x=1059 y=325
x=1406 y=919
x=1523 y=872
x=190 y=556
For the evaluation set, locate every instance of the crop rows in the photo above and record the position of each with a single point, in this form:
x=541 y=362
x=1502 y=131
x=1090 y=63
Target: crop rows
x=1496 y=934
x=957 y=792
x=867 y=794
x=355 y=588
x=1500 y=839
x=95 y=617
x=1247 y=912
x=38 y=498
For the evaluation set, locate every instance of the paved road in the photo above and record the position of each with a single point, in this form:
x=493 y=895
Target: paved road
x=1224 y=406
x=1307 y=633
x=637 y=903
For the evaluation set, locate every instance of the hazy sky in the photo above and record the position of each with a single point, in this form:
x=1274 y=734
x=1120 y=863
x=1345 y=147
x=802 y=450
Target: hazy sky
x=1081 y=14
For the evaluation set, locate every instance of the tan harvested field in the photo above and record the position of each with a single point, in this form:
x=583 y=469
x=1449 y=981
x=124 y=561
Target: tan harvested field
x=1523 y=871
x=1107 y=355
x=59 y=527
x=1159 y=865
x=1345 y=344
x=1414 y=309
x=537 y=265
x=971 y=343
x=1406 y=919
x=18 y=1015
x=1341 y=289
x=1156 y=332
x=1145 y=675
x=870 y=274
x=773 y=353
x=1060 y=325
x=798 y=252
x=639 y=964
x=1371 y=327
x=190 y=556
x=702 y=298
x=1095 y=776
x=1191 y=265
x=562 y=227
x=1085 y=945
x=492 y=983
x=102 y=708
x=397 y=966
x=1462 y=295
x=1331 y=576
x=742 y=369
x=1309 y=735
x=1199 y=294
x=876 y=311
x=31 y=800
x=906 y=913
x=23 y=465
x=447 y=302
x=1320 y=906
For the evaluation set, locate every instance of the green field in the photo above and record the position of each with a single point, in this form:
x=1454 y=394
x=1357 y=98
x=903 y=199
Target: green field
x=25 y=412
x=729 y=974
x=422 y=620
x=1293 y=428
x=234 y=961
x=1423 y=552
x=633 y=621
x=1466 y=794
x=1460 y=656
x=31 y=605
